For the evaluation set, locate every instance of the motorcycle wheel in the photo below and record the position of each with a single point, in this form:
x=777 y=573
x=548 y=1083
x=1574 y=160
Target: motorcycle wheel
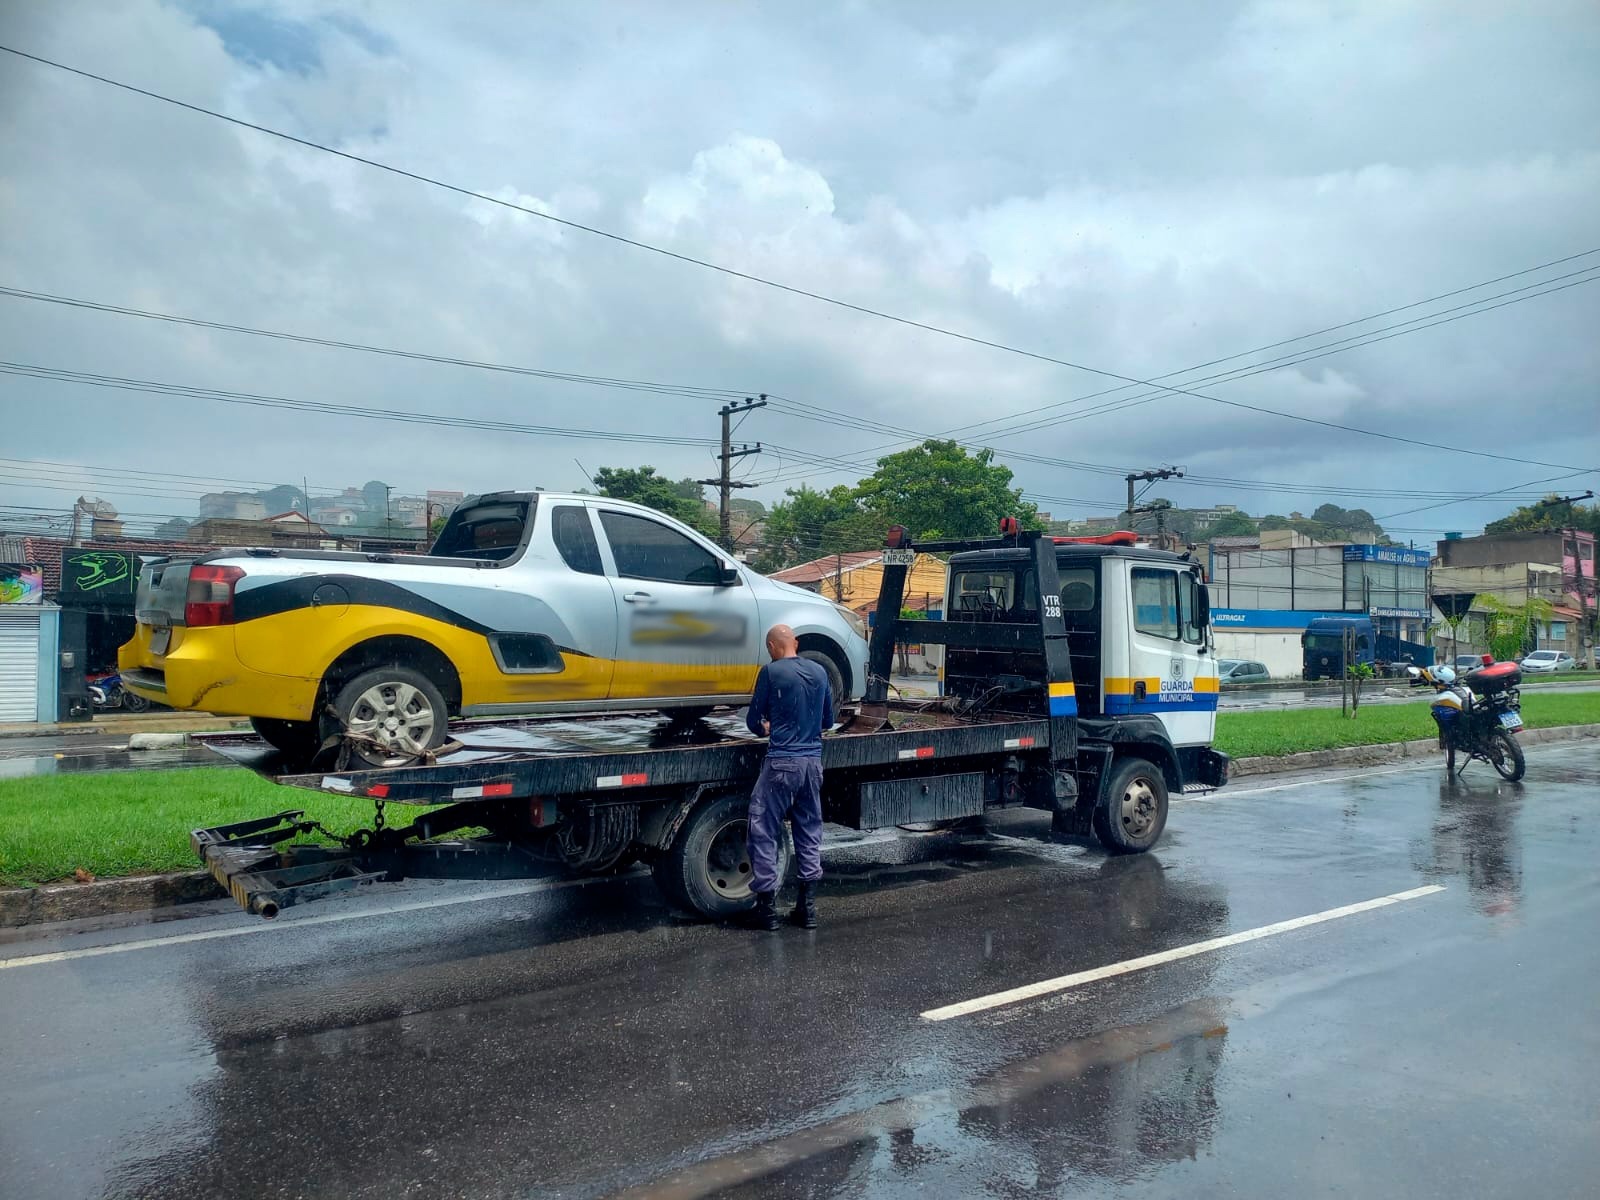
x=1505 y=752
x=135 y=703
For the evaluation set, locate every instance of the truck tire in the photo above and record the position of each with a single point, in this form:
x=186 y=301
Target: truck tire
x=297 y=741
x=398 y=707
x=1130 y=818
x=706 y=870
x=835 y=678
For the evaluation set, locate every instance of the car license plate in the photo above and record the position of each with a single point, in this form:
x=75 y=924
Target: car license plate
x=1511 y=720
x=160 y=639
x=899 y=558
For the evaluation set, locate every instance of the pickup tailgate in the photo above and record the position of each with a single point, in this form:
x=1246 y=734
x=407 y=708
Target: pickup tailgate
x=158 y=604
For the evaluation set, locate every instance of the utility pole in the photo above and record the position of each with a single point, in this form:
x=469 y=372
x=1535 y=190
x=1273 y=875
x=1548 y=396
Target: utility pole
x=1580 y=586
x=1160 y=509
x=724 y=482
x=1147 y=476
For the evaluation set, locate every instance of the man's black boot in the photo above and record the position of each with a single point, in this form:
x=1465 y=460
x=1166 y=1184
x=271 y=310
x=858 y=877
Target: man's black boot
x=805 y=906
x=764 y=915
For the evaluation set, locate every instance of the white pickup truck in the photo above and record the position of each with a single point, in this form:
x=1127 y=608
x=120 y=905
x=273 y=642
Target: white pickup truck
x=528 y=602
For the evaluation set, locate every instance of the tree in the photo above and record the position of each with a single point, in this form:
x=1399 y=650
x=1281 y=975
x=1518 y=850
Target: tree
x=1513 y=628
x=642 y=485
x=810 y=524
x=1533 y=518
x=1234 y=524
x=937 y=489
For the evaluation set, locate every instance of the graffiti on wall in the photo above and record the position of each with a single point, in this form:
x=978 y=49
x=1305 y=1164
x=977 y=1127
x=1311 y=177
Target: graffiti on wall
x=21 y=584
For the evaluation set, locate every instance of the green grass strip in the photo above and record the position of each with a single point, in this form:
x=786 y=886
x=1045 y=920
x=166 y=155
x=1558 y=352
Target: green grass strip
x=138 y=822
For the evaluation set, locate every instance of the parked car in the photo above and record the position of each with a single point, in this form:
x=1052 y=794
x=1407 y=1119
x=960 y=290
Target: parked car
x=1546 y=661
x=529 y=602
x=1468 y=662
x=1238 y=670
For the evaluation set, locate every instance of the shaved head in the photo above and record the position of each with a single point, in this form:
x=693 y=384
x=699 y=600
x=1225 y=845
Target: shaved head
x=781 y=642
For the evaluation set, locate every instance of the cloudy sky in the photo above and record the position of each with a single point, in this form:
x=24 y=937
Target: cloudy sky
x=1137 y=190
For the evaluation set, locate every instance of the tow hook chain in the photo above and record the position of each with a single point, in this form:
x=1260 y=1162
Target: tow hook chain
x=377 y=820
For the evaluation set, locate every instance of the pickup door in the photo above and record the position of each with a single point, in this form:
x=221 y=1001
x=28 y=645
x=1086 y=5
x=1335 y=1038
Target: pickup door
x=682 y=631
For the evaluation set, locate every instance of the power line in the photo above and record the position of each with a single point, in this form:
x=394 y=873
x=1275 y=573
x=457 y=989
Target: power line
x=689 y=391
x=685 y=258
x=399 y=416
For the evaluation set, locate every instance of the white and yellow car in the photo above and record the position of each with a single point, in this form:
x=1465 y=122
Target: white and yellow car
x=528 y=602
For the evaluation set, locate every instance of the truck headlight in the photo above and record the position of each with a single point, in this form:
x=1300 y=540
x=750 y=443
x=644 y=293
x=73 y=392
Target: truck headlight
x=854 y=619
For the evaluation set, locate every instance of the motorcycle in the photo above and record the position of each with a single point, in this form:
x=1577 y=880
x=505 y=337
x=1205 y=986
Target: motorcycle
x=1480 y=716
x=107 y=692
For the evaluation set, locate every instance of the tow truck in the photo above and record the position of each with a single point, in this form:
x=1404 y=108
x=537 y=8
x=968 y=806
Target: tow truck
x=1102 y=751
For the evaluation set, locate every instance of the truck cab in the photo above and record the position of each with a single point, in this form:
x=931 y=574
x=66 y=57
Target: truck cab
x=1322 y=646
x=1137 y=621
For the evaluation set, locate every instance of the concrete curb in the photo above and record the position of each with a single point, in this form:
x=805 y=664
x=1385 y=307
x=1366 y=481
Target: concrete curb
x=1368 y=756
x=73 y=901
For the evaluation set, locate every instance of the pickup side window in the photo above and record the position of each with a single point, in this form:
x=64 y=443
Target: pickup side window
x=645 y=549
x=494 y=531
x=1155 y=602
x=574 y=538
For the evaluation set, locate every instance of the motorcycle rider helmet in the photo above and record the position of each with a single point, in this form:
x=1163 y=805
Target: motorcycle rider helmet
x=1443 y=676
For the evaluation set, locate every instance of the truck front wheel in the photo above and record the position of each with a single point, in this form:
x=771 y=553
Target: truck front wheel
x=1130 y=818
x=706 y=870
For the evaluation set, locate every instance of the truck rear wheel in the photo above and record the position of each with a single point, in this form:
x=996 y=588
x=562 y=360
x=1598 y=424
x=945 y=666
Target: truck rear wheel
x=706 y=870
x=1130 y=818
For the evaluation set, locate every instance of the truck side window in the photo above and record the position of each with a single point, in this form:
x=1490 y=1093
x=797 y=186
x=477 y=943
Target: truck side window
x=574 y=538
x=1155 y=602
x=647 y=550
x=1189 y=597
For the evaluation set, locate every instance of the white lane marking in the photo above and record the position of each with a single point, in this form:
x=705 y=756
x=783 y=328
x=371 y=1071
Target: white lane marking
x=1063 y=982
x=261 y=926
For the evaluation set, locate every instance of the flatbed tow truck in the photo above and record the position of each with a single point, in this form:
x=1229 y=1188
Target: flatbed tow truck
x=593 y=794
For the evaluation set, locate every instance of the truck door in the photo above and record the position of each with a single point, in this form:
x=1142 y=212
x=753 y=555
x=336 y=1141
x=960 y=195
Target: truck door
x=684 y=631
x=1170 y=673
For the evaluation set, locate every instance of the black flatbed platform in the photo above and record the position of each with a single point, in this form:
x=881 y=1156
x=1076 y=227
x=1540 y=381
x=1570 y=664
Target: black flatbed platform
x=621 y=755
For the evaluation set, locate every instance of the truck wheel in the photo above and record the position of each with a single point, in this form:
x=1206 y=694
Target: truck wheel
x=1134 y=812
x=706 y=870
x=835 y=678
x=399 y=709
x=297 y=741
x=1505 y=752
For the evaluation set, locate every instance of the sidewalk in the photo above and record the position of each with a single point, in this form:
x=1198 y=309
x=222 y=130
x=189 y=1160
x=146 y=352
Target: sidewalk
x=122 y=724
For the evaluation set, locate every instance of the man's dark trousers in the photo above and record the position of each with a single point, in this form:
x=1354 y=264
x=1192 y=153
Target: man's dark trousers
x=789 y=789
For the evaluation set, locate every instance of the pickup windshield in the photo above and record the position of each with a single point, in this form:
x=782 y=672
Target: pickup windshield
x=494 y=531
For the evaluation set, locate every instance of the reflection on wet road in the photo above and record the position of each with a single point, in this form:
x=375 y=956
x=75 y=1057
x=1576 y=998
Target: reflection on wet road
x=581 y=1040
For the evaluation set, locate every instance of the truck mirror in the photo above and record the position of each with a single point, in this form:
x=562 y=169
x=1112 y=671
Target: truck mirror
x=1204 y=601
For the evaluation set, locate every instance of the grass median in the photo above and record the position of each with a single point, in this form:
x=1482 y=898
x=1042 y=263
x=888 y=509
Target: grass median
x=1273 y=734
x=138 y=822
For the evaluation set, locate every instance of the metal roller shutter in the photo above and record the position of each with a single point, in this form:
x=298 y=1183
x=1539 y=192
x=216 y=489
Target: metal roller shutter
x=19 y=664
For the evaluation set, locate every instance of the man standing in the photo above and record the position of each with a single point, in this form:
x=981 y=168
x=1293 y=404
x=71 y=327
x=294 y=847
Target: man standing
x=792 y=706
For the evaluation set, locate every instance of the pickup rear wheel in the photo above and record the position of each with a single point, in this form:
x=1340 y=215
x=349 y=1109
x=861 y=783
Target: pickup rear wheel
x=706 y=870
x=297 y=741
x=395 y=713
x=1130 y=818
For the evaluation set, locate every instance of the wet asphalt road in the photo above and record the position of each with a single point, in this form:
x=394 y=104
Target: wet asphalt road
x=579 y=1040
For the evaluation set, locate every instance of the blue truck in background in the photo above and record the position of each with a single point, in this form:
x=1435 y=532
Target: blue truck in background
x=1322 y=648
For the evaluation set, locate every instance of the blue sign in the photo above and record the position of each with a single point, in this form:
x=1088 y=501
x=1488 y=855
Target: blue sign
x=1266 y=618
x=1388 y=554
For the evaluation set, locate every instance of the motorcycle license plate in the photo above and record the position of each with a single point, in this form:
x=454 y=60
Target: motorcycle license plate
x=1511 y=720
x=160 y=639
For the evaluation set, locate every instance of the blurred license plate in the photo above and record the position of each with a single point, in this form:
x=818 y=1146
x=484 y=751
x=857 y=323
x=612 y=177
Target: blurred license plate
x=160 y=639
x=1511 y=720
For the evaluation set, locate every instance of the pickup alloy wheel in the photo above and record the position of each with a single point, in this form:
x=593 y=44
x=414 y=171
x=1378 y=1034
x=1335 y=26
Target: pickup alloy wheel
x=395 y=713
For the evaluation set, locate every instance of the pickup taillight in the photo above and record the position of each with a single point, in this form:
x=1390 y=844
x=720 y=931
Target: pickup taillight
x=210 y=598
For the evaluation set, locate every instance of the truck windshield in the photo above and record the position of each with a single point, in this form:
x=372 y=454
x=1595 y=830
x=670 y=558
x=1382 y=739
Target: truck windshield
x=491 y=531
x=1324 y=641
